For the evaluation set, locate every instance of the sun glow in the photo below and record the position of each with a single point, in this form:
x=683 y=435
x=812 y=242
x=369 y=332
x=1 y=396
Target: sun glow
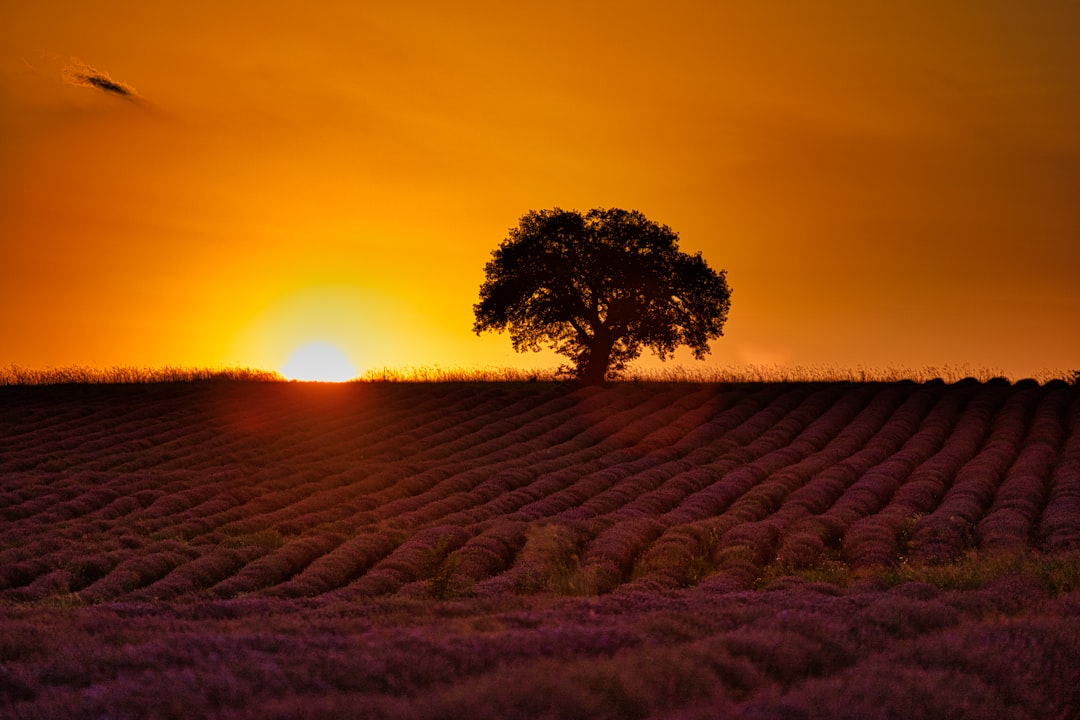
x=319 y=362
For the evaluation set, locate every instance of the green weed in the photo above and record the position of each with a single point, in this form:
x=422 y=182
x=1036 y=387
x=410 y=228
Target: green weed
x=267 y=538
x=1057 y=573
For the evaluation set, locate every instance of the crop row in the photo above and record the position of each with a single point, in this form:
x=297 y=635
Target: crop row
x=227 y=490
x=1006 y=651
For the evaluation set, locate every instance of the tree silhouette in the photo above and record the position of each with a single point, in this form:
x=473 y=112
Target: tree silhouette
x=598 y=288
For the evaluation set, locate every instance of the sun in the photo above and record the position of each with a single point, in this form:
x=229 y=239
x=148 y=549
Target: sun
x=319 y=362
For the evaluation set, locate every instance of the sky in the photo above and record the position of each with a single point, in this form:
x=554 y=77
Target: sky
x=207 y=183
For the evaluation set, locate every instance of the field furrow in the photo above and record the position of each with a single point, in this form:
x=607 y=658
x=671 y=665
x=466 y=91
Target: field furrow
x=243 y=550
x=200 y=491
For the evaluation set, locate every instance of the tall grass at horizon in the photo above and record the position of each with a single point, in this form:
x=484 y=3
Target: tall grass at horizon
x=130 y=375
x=15 y=375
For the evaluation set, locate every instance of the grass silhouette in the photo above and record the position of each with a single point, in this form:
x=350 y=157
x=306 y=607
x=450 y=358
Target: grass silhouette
x=130 y=374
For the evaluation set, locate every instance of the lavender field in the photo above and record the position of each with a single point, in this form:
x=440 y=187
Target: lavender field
x=521 y=550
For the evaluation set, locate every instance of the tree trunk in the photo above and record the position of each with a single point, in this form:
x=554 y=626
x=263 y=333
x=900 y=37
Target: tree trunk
x=596 y=366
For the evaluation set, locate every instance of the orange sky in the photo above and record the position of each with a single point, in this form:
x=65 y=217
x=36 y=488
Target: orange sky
x=886 y=183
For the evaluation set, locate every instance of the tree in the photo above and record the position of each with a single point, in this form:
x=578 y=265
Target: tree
x=598 y=288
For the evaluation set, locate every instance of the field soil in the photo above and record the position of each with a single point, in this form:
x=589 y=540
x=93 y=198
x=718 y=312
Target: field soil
x=520 y=550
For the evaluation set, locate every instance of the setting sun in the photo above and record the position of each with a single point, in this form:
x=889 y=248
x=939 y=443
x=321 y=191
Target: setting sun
x=319 y=362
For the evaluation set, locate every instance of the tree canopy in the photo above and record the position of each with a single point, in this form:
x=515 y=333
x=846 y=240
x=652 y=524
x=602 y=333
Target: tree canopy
x=598 y=288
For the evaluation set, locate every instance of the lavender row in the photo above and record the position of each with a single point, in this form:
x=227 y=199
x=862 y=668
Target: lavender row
x=640 y=487
x=948 y=530
x=1059 y=527
x=1008 y=651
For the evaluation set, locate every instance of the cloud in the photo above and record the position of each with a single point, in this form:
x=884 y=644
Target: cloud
x=79 y=74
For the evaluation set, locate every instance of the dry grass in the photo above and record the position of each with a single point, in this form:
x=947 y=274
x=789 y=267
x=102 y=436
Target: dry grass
x=706 y=374
x=808 y=373
x=741 y=374
x=439 y=374
x=129 y=375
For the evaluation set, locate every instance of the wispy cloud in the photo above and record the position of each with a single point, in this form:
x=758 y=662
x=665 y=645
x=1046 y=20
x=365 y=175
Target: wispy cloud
x=79 y=74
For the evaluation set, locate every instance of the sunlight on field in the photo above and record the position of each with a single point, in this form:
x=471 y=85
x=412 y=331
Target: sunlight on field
x=319 y=361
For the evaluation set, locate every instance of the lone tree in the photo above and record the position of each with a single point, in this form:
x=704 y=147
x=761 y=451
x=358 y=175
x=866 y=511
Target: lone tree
x=598 y=288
